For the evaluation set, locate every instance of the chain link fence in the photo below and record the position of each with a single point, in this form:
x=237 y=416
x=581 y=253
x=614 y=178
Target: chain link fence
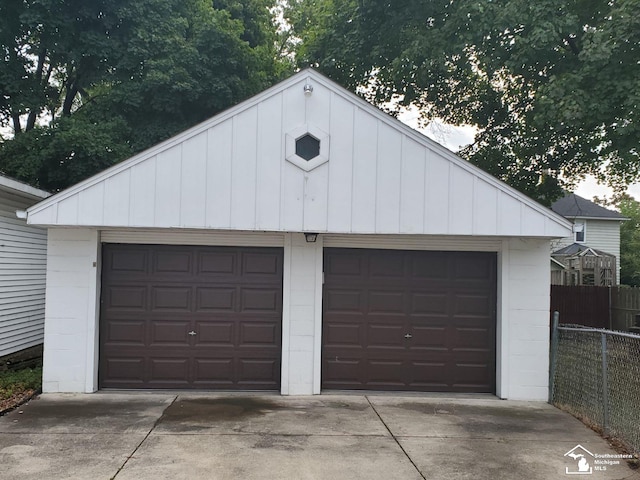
x=595 y=375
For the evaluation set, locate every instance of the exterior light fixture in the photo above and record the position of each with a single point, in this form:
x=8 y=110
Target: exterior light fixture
x=308 y=90
x=311 y=237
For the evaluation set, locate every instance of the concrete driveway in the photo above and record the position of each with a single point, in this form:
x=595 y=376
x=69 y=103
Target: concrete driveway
x=138 y=436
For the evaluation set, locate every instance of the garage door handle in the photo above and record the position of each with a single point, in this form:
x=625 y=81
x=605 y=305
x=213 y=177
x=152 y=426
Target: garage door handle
x=192 y=333
x=408 y=335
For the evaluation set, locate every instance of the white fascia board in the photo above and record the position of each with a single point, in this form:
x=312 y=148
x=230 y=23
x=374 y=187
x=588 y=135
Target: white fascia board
x=607 y=219
x=19 y=188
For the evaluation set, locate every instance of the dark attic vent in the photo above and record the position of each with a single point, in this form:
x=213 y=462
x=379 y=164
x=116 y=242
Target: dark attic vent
x=307 y=147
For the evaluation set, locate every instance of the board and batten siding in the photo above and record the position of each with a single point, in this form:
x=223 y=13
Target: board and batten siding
x=23 y=260
x=231 y=173
x=599 y=234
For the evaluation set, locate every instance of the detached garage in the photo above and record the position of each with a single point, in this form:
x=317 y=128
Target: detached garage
x=301 y=241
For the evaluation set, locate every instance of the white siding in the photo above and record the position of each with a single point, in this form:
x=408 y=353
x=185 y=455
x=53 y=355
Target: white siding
x=231 y=173
x=599 y=234
x=23 y=259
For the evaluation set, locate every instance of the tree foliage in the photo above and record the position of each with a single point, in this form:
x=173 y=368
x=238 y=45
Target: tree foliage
x=87 y=84
x=552 y=85
x=629 y=241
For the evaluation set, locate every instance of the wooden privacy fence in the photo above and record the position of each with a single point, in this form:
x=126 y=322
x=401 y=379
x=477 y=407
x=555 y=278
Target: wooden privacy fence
x=613 y=308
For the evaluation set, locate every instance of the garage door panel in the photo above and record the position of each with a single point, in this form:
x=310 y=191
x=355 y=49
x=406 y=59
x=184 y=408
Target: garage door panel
x=169 y=370
x=205 y=317
x=169 y=333
x=260 y=264
x=344 y=265
x=384 y=373
x=172 y=261
x=423 y=303
x=265 y=300
x=343 y=372
x=219 y=263
x=431 y=376
x=128 y=370
x=216 y=371
x=420 y=320
x=427 y=266
x=472 y=338
x=471 y=376
x=427 y=337
x=221 y=299
x=387 y=267
x=343 y=301
x=215 y=333
x=252 y=333
x=128 y=261
x=170 y=298
x=344 y=334
x=257 y=371
x=385 y=335
x=128 y=298
x=476 y=304
x=473 y=267
x=125 y=332
x=386 y=302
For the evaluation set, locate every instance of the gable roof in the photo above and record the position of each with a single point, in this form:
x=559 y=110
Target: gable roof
x=235 y=172
x=574 y=206
x=579 y=249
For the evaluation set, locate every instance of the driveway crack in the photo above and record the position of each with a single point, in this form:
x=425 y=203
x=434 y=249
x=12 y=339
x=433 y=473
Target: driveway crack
x=155 y=424
x=395 y=439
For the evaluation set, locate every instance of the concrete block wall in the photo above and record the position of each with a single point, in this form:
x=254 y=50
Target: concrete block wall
x=71 y=325
x=71 y=311
x=305 y=316
x=527 y=316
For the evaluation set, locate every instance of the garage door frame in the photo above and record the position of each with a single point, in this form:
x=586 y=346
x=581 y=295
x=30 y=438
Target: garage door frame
x=379 y=309
x=444 y=243
x=204 y=360
x=189 y=238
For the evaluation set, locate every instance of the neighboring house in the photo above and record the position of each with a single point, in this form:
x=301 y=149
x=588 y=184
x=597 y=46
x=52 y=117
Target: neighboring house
x=301 y=241
x=593 y=226
x=23 y=261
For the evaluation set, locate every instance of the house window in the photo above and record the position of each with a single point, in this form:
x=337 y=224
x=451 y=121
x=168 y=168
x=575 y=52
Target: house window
x=579 y=232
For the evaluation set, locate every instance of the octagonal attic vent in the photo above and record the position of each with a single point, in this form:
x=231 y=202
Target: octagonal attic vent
x=307 y=147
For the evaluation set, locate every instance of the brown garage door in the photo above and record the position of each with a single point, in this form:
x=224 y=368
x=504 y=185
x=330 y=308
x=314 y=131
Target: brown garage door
x=409 y=320
x=190 y=317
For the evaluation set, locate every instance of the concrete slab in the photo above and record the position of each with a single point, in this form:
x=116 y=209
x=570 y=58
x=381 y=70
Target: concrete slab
x=475 y=458
x=87 y=413
x=478 y=418
x=276 y=415
x=115 y=436
x=212 y=457
x=63 y=456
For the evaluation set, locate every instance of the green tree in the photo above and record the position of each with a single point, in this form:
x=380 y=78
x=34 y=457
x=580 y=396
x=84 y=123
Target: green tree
x=88 y=84
x=629 y=241
x=552 y=85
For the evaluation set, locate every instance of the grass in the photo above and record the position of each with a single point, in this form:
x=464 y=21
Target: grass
x=17 y=386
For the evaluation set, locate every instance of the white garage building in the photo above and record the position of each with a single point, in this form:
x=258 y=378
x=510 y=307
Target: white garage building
x=301 y=241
